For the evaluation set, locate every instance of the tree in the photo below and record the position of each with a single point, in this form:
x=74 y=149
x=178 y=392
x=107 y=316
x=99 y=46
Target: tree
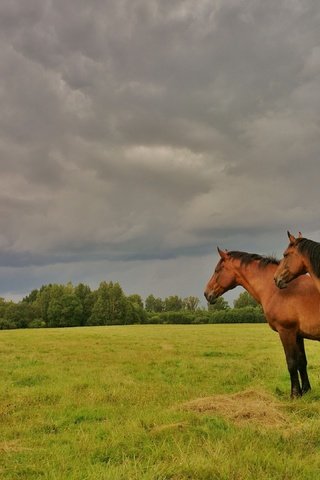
x=245 y=300
x=153 y=304
x=65 y=311
x=173 y=304
x=220 y=304
x=136 y=312
x=19 y=315
x=111 y=307
x=3 y=306
x=136 y=299
x=58 y=306
x=44 y=297
x=191 y=303
x=31 y=297
x=99 y=314
x=119 y=306
x=86 y=297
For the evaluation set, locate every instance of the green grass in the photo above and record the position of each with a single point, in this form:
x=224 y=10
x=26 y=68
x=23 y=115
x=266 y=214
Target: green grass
x=106 y=403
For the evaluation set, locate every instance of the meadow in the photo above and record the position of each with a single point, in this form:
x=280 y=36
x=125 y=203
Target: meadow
x=163 y=402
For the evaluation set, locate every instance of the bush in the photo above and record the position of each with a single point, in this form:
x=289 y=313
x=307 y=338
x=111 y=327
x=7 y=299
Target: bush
x=201 y=318
x=6 y=324
x=37 y=323
x=182 y=317
x=176 y=317
x=153 y=319
x=235 y=315
x=238 y=315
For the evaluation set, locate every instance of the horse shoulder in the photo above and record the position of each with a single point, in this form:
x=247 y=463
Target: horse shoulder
x=281 y=311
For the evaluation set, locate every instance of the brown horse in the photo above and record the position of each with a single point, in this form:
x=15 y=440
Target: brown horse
x=301 y=256
x=293 y=312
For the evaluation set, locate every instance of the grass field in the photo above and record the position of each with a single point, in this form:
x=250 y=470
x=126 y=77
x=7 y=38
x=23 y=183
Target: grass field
x=155 y=402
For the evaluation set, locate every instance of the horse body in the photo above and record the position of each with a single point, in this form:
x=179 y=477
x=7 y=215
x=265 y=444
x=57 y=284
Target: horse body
x=293 y=312
x=301 y=256
x=300 y=304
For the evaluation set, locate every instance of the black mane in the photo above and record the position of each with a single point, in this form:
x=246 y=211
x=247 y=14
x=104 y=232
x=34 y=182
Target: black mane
x=246 y=258
x=312 y=250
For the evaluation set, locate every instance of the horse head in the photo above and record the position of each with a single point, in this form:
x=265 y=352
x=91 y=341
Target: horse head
x=223 y=278
x=292 y=264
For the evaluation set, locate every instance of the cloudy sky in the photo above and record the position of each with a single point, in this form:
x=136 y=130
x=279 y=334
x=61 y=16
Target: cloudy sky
x=137 y=135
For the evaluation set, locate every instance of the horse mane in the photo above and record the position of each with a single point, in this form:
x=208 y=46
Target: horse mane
x=246 y=258
x=312 y=250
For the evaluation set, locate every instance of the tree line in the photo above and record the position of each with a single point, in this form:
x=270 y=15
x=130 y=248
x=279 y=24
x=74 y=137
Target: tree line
x=56 y=305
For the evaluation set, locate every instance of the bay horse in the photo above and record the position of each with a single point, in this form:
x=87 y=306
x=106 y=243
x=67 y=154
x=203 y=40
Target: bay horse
x=301 y=256
x=292 y=312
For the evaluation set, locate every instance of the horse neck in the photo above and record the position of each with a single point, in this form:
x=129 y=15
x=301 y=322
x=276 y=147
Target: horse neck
x=256 y=279
x=312 y=274
x=308 y=265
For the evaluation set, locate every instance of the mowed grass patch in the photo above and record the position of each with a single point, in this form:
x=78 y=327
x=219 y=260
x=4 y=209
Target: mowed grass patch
x=154 y=402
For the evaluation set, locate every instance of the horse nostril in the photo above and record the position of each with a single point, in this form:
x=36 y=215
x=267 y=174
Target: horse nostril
x=280 y=283
x=211 y=298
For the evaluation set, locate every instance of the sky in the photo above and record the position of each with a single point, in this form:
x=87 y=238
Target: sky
x=136 y=136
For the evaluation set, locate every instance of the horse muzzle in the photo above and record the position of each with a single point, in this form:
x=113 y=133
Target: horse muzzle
x=211 y=298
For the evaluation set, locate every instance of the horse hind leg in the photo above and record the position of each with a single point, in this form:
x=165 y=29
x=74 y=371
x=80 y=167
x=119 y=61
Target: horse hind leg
x=302 y=366
x=291 y=350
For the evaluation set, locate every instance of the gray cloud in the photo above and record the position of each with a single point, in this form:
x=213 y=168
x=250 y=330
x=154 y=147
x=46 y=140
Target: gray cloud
x=147 y=131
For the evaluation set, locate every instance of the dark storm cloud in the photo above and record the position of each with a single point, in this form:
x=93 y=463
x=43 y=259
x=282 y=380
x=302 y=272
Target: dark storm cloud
x=139 y=130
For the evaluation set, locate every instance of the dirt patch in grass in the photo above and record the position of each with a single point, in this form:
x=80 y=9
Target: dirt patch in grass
x=249 y=406
x=167 y=347
x=11 y=447
x=169 y=426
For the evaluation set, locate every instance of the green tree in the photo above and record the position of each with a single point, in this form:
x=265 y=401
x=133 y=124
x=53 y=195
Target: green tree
x=220 y=304
x=53 y=300
x=191 y=303
x=153 y=304
x=111 y=306
x=99 y=314
x=119 y=306
x=43 y=298
x=65 y=311
x=245 y=300
x=32 y=297
x=3 y=306
x=19 y=315
x=136 y=299
x=173 y=304
x=136 y=312
x=86 y=297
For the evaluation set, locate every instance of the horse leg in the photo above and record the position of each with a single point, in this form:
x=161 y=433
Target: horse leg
x=302 y=366
x=291 y=350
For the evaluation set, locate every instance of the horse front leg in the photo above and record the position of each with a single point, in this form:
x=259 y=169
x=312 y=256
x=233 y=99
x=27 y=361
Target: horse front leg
x=302 y=366
x=291 y=350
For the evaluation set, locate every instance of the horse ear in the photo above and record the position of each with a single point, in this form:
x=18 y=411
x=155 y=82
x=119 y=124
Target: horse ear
x=291 y=238
x=300 y=235
x=222 y=254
